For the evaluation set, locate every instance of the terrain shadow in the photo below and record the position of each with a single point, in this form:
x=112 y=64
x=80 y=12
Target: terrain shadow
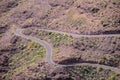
x=111 y=32
x=75 y=61
x=106 y=32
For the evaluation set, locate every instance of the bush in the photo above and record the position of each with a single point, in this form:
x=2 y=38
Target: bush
x=110 y=61
x=112 y=78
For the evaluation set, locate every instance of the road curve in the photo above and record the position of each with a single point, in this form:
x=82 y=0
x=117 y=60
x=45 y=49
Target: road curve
x=48 y=48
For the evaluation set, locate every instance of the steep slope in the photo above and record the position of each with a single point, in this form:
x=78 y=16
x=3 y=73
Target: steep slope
x=74 y=16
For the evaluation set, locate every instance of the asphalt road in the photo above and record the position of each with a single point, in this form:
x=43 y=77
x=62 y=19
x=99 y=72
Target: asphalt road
x=48 y=47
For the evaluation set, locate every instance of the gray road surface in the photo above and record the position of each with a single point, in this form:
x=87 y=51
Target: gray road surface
x=48 y=48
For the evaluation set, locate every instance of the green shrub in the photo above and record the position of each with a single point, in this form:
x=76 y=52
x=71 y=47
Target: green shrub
x=56 y=50
x=102 y=79
x=112 y=78
x=30 y=55
x=105 y=22
x=110 y=60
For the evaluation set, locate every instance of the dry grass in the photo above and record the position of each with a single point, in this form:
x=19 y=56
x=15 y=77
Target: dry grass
x=74 y=19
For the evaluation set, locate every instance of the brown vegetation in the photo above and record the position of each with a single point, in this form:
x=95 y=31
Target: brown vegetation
x=75 y=16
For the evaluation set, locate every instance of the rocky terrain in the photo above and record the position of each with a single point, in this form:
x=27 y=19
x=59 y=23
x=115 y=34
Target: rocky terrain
x=68 y=50
x=73 y=16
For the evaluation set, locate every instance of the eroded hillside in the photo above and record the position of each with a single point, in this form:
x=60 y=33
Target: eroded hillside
x=20 y=58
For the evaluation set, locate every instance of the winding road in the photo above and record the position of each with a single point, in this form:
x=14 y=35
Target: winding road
x=48 y=47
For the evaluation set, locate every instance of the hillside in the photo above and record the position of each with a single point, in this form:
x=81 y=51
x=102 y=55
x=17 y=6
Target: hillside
x=23 y=58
